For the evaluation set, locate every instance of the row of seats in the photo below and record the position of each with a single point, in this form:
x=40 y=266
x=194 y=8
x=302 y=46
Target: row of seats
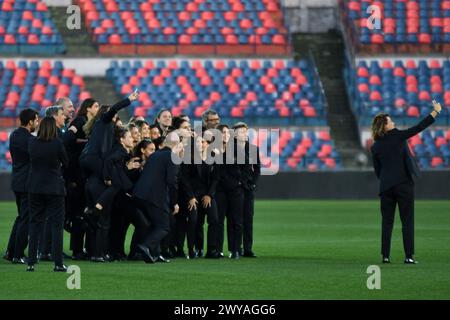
x=299 y=150
x=37 y=85
x=185 y=22
x=26 y=25
x=414 y=22
x=296 y=150
x=256 y=90
x=431 y=148
x=404 y=89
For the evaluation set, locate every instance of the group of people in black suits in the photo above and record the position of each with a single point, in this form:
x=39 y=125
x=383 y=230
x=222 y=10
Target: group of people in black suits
x=95 y=177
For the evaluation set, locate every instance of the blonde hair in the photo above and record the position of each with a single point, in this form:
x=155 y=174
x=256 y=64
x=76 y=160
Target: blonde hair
x=378 y=125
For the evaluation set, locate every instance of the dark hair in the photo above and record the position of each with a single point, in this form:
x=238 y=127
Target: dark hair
x=131 y=125
x=158 y=141
x=87 y=128
x=221 y=126
x=378 y=125
x=141 y=145
x=27 y=115
x=159 y=115
x=141 y=123
x=177 y=122
x=47 y=129
x=53 y=111
x=87 y=103
x=120 y=133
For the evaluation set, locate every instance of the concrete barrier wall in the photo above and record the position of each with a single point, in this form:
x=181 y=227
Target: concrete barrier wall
x=431 y=185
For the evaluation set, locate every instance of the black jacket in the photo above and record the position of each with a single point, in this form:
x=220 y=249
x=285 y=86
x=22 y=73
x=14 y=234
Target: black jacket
x=101 y=138
x=46 y=161
x=252 y=167
x=115 y=169
x=74 y=147
x=392 y=160
x=158 y=183
x=18 y=146
x=198 y=180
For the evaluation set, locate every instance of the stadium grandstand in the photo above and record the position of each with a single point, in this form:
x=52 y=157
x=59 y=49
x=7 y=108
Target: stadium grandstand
x=319 y=82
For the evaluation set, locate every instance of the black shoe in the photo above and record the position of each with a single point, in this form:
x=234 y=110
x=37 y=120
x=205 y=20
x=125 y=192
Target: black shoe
x=146 y=255
x=61 y=268
x=135 y=256
x=192 y=255
x=180 y=254
x=386 y=260
x=221 y=255
x=7 y=256
x=167 y=255
x=235 y=255
x=80 y=256
x=212 y=255
x=200 y=253
x=410 y=261
x=249 y=254
x=30 y=268
x=162 y=259
x=18 y=261
x=45 y=257
x=97 y=259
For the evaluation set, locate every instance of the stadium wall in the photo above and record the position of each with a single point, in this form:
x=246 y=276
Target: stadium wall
x=341 y=185
x=310 y=16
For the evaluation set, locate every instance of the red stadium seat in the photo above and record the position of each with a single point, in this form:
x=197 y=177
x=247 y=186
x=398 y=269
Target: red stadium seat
x=231 y=39
x=27 y=15
x=441 y=141
x=185 y=39
x=3 y=136
x=41 y=6
x=375 y=80
x=399 y=72
x=413 y=112
x=9 y=39
x=435 y=64
x=363 y=72
x=411 y=64
x=36 y=23
x=424 y=38
x=424 y=95
x=33 y=39
x=278 y=39
x=363 y=87
x=309 y=112
x=375 y=96
x=436 y=161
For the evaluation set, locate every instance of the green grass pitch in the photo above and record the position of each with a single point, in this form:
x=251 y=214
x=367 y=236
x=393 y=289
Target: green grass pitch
x=306 y=249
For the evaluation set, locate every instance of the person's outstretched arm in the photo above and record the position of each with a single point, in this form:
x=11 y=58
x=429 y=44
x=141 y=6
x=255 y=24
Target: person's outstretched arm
x=109 y=115
x=425 y=123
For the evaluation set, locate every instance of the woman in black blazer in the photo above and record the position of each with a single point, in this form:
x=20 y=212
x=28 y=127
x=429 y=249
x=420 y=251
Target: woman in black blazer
x=198 y=189
x=396 y=170
x=46 y=191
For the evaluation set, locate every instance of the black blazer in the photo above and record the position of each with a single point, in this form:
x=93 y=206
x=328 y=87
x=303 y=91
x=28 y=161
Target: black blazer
x=74 y=148
x=18 y=146
x=115 y=169
x=232 y=175
x=193 y=184
x=158 y=183
x=392 y=161
x=46 y=161
x=101 y=139
x=252 y=167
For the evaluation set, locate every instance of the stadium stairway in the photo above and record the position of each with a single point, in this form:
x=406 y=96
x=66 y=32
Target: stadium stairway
x=103 y=91
x=78 y=42
x=328 y=53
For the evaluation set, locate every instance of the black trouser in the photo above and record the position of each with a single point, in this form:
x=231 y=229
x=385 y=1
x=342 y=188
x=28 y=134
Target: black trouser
x=249 y=209
x=92 y=165
x=213 y=220
x=169 y=243
x=123 y=215
x=231 y=205
x=45 y=242
x=76 y=203
x=403 y=195
x=52 y=208
x=222 y=207
x=19 y=235
x=186 y=225
x=158 y=226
